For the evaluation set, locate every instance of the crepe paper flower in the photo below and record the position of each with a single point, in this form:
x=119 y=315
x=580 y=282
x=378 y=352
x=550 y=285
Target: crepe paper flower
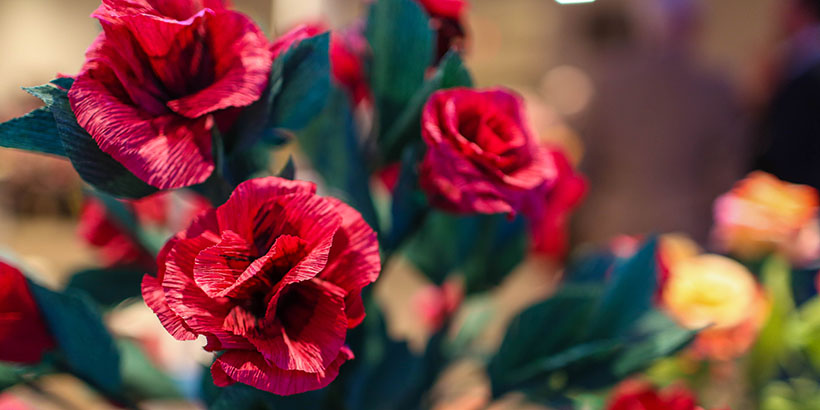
x=481 y=156
x=562 y=195
x=710 y=290
x=639 y=395
x=729 y=343
x=436 y=304
x=163 y=212
x=273 y=279
x=447 y=18
x=712 y=293
x=161 y=76
x=24 y=337
x=762 y=214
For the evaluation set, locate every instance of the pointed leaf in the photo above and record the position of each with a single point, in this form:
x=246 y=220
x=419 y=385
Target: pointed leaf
x=35 y=131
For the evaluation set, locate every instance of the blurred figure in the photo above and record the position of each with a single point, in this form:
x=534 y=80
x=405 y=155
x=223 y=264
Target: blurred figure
x=664 y=137
x=791 y=132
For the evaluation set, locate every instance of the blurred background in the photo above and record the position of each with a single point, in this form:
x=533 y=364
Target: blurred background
x=663 y=103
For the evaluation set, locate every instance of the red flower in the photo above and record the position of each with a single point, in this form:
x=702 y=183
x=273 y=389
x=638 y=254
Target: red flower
x=563 y=194
x=163 y=211
x=445 y=8
x=446 y=16
x=23 y=334
x=481 y=156
x=637 y=395
x=158 y=79
x=436 y=304
x=273 y=277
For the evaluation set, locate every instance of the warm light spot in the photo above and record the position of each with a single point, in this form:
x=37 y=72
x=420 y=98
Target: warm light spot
x=574 y=1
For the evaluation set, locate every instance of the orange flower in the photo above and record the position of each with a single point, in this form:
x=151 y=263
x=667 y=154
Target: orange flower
x=763 y=214
x=713 y=293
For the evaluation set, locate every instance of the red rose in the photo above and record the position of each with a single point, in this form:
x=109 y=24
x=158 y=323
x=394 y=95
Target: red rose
x=23 y=334
x=445 y=8
x=273 y=277
x=158 y=79
x=562 y=195
x=163 y=211
x=481 y=156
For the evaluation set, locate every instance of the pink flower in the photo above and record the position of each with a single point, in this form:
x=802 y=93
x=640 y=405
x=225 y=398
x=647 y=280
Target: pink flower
x=24 y=337
x=563 y=194
x=481 y=156
x=273 y=278
x=161 y=76
x=435 y=304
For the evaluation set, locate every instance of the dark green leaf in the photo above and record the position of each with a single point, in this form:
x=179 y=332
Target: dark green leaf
x=658 y=336
x=88 y=349
x=407 y=127
x=94 y=166
x=441 y=245
x=541 y=331
x=409 y=207
x=35 y=131
x=629 y=295
x=332 y=145
x=401 y=40
x=305 y=83
x=498 y=246
x=108 y=287
x=289 y=170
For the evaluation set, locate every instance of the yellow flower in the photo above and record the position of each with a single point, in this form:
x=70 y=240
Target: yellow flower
x=709 y=290
x=763 y=214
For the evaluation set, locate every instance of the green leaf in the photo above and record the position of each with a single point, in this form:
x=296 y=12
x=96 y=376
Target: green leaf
x=629 y=296
x=540 y=332
x=409 y=207
x=498 y=246
x=108 y=287
x=88 y=349
x=305 y=77
x=407 y=127
x=141 y=378
x=659 y=336
x=95 y=167
x=401 y=40
x=332 y=145
x=441 y=245
x=771 y=346
x=35 y=131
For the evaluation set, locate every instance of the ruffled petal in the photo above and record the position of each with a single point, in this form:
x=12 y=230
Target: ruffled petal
x=250 y=368
x=354 y=261
x=219 y=266
x=312 y=327
x=154 y=297
x=241 y=70
x=166 y=151
x=250 y=196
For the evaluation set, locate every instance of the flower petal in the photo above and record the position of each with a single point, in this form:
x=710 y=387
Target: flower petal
x=250 y=368
x=242 y=66
x=165 y=151
x=218 y=267
x=155 y=299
